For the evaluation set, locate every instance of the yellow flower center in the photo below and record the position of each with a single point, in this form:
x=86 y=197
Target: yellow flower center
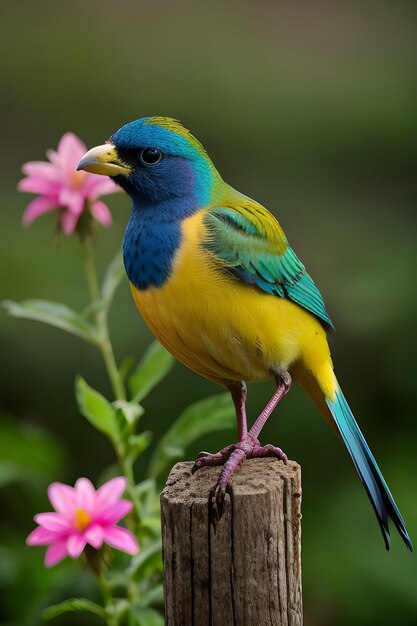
x=82 y=519
x=77 y=179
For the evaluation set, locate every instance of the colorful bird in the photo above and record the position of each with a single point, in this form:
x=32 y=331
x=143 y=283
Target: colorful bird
x=216 y=281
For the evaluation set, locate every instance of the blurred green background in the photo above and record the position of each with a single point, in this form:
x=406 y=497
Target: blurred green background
x=309 y=107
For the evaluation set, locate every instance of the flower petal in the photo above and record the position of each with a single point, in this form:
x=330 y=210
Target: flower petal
x=40 y=169
x=75 y=545
x=55 y=553
x=52 y=521
x=94 y=535
x=109 y=493
x=70 y=150
x=74 y=200
x=86 y=494
x=39 y=185
x=52 y=156
x=115 y=512
x=68 y=221
x=37 y=207
x=96 y=185
x=121 y=539
x=101 y=213
x=62 y=498
x=41 y=537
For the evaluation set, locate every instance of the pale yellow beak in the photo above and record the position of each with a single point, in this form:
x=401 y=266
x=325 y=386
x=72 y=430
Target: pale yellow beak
x=104 y=160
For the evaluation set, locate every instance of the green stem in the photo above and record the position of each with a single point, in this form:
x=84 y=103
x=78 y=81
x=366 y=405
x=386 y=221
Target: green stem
x=116 y=381
x=105 y=345
x=108 y=600
x=112 y=369
x=127 y=469
x=105 y=589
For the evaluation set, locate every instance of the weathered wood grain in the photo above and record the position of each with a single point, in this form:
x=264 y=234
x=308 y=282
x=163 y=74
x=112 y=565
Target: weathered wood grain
x=246 y=570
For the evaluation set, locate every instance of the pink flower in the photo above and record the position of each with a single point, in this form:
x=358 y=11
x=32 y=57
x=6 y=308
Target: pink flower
x=83 y=515
x=64 y=189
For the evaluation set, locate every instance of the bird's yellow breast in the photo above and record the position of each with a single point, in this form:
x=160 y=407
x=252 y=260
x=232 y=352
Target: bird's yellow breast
x=222 y=328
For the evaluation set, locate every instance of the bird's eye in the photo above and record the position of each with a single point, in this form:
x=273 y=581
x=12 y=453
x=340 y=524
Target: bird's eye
x=150 y=156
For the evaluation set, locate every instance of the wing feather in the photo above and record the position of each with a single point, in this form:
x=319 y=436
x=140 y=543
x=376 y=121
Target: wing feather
x=251 y=245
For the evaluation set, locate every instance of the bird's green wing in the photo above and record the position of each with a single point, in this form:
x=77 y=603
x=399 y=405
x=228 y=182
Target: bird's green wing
x=251 y=245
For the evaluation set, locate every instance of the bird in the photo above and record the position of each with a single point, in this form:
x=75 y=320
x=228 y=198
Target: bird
x=216 y=281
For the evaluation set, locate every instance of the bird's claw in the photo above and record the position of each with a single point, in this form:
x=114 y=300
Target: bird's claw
x=231 y=457
x=198 y=464
x=205 y=459
x=202 y=454
x=270 y=450
x=218 y=499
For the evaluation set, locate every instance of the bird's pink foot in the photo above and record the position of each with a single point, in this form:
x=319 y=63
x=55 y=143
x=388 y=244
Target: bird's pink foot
x=231 y=457
x=205 y=459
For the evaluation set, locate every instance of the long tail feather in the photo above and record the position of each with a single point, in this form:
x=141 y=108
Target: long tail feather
x=368 y=470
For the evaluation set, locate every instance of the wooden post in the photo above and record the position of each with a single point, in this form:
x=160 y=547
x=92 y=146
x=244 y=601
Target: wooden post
x=246 y=570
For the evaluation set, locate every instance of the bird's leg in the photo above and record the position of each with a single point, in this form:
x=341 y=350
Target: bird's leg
x=284 y=384
x=238 y=391
x=248 y=446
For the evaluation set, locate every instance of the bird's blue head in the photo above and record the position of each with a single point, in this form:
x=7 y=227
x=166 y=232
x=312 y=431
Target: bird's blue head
x=169 y=177
x=156 y=161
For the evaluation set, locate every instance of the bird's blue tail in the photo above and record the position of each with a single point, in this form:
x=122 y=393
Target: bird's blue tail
x=368 y=470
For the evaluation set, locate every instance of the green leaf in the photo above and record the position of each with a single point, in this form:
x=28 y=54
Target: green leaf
x=125 y=366
x=92 y=309
x=96 y=408
x=153 y=367
x=117 y=579
x=200 y=418
x=54 y=314
x=154 y=594
x=145 y=616
x=74 y=604
x=148 y=560
x=145 y=487
x=118 y=610
x=131 y=410
x=148 y=495
x=112 y=279
x=152 y=525
x=138 y=444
